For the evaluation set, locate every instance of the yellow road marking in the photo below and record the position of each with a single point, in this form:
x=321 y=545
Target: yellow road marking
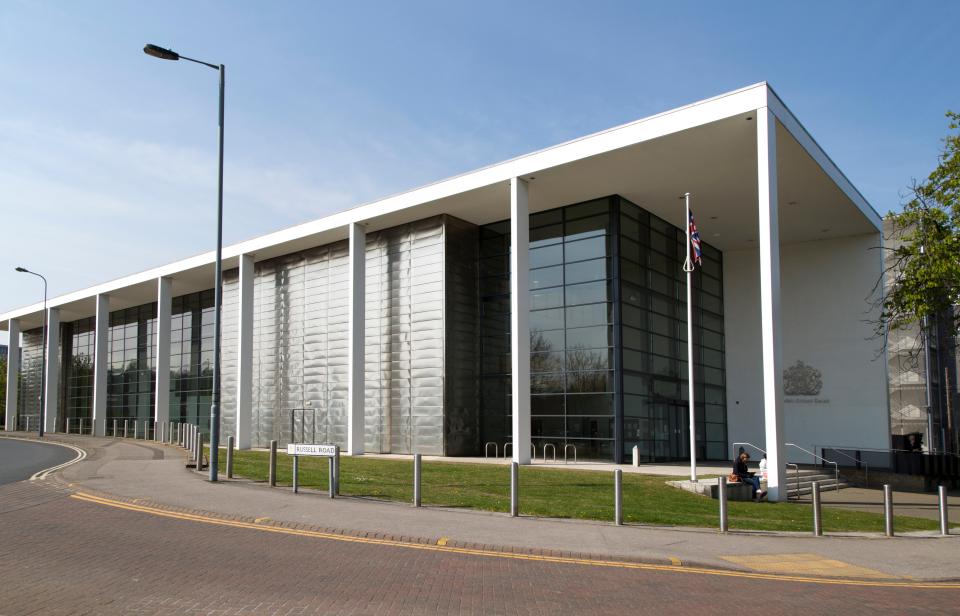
x=261 y=520
x=475 y=552
x=675 y=561
x=442 y=541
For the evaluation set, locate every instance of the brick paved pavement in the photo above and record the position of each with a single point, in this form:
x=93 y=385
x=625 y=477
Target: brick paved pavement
x=59 y=555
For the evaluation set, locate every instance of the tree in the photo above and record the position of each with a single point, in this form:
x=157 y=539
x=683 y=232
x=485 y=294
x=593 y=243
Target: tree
x=923 y=267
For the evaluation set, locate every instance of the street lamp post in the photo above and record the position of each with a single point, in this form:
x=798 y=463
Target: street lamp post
x=166 y=54
x=43 y=354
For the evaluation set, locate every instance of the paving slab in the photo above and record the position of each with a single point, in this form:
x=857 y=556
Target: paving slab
x=155 y=473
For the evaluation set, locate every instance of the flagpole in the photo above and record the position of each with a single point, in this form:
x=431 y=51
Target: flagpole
x=688 y=268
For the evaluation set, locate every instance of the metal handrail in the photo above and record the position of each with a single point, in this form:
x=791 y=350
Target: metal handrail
x=882 y=450
x=836 y=468
x=866 y=467
x=796 y=468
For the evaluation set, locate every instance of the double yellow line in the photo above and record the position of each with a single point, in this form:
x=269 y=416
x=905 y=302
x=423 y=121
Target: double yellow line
x=441 y=547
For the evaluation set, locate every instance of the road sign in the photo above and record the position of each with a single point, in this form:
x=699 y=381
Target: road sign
x=306 y=449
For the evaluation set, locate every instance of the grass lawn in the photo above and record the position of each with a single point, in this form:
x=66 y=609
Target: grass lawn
x=554 y=493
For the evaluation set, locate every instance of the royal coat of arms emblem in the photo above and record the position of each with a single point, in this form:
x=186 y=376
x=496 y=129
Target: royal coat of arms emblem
x=802 y=380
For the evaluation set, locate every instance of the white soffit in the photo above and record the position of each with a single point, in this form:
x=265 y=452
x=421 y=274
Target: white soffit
x=707 y=148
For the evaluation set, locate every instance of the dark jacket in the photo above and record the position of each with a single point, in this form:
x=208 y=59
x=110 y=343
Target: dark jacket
x=740 y=469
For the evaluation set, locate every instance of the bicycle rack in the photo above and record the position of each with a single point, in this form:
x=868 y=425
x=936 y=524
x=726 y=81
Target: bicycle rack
x=505 y=445
x=567 y=446
x=486 y=450
x=552 y=448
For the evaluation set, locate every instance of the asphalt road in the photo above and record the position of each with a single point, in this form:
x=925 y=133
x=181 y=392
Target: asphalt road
x=61 y=555
x=20 y=459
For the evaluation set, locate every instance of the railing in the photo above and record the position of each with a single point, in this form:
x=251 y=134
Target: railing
x=932 y=465
x=836 y=468
x=796 y=468
x=857 y=462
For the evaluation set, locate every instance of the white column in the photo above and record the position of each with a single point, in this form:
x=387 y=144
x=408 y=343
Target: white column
x=245 y=355
x=52 y=393
x=769 y=240
x=161 y=401
x=520 y=319
x=13 y=373
x=358 y=262
x=101 y=363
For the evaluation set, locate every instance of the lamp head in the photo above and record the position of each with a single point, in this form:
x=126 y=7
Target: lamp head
x=22 y=269
x=160 y=52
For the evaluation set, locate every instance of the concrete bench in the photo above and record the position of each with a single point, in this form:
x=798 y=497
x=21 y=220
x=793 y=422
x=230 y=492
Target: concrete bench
x=738 y=491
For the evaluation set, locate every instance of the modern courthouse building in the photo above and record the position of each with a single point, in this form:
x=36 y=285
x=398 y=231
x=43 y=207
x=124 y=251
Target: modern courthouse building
x=539 y=301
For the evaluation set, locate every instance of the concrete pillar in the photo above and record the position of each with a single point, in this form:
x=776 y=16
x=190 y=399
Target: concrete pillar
x=520 y=319
x=13 y=373
x=358 y=262
x=52 y=393
x=245 y=354
x=161 y=400
x=101 y=364
x=769 y=241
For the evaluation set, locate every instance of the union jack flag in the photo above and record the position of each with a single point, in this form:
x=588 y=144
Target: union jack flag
x=695 y=241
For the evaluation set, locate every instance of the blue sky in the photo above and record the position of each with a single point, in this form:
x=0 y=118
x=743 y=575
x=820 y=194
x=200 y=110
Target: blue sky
x=108 y=156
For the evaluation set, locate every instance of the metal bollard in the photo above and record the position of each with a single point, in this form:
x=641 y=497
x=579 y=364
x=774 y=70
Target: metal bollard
x=161 y=435
x=114 y=428
x=126 y=425
x=200 y=452
x=146 y=430
x=296 y=474
x=336 y=471
x=136 y=425
x=331 y=477
x=68 y=425
x=618 y=497
x=514 y=489
x=230 y=457
x=272 y=476
x=944 y=513
x=887 y=510
x=722 y=497
x=170 y=433
x=417 y=475
x=817 y=517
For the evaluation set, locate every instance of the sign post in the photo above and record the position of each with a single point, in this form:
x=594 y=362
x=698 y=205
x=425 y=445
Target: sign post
x=331 y=452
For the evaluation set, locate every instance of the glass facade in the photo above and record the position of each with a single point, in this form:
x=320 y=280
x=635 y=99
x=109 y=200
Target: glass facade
x=31 y=362
x=131 y=381
x=77 y=345
x=191 y=358
x=607 y=334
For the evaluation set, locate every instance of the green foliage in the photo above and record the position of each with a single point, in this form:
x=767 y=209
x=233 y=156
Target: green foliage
x=924 y=270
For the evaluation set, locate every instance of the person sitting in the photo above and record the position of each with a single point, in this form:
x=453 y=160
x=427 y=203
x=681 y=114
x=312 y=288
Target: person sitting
x=746 y=476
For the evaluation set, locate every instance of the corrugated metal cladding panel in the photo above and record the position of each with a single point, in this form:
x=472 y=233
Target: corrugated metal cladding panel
x=412 y=326
x=229 y=332
x=28 y=397
x=404 y=339
x=300 y=347
x=461 y=396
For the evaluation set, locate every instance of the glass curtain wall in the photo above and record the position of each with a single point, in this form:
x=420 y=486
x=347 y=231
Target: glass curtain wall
x=654 y=335
x=131 y=381
x=572 y=381
x=191 y=358
x=77 y=341
x=608 y=334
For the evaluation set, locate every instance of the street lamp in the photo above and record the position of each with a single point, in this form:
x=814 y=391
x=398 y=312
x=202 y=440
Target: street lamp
x=167 y=54
x=43 y=354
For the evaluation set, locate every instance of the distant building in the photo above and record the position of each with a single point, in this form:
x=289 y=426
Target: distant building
x=922 y=417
